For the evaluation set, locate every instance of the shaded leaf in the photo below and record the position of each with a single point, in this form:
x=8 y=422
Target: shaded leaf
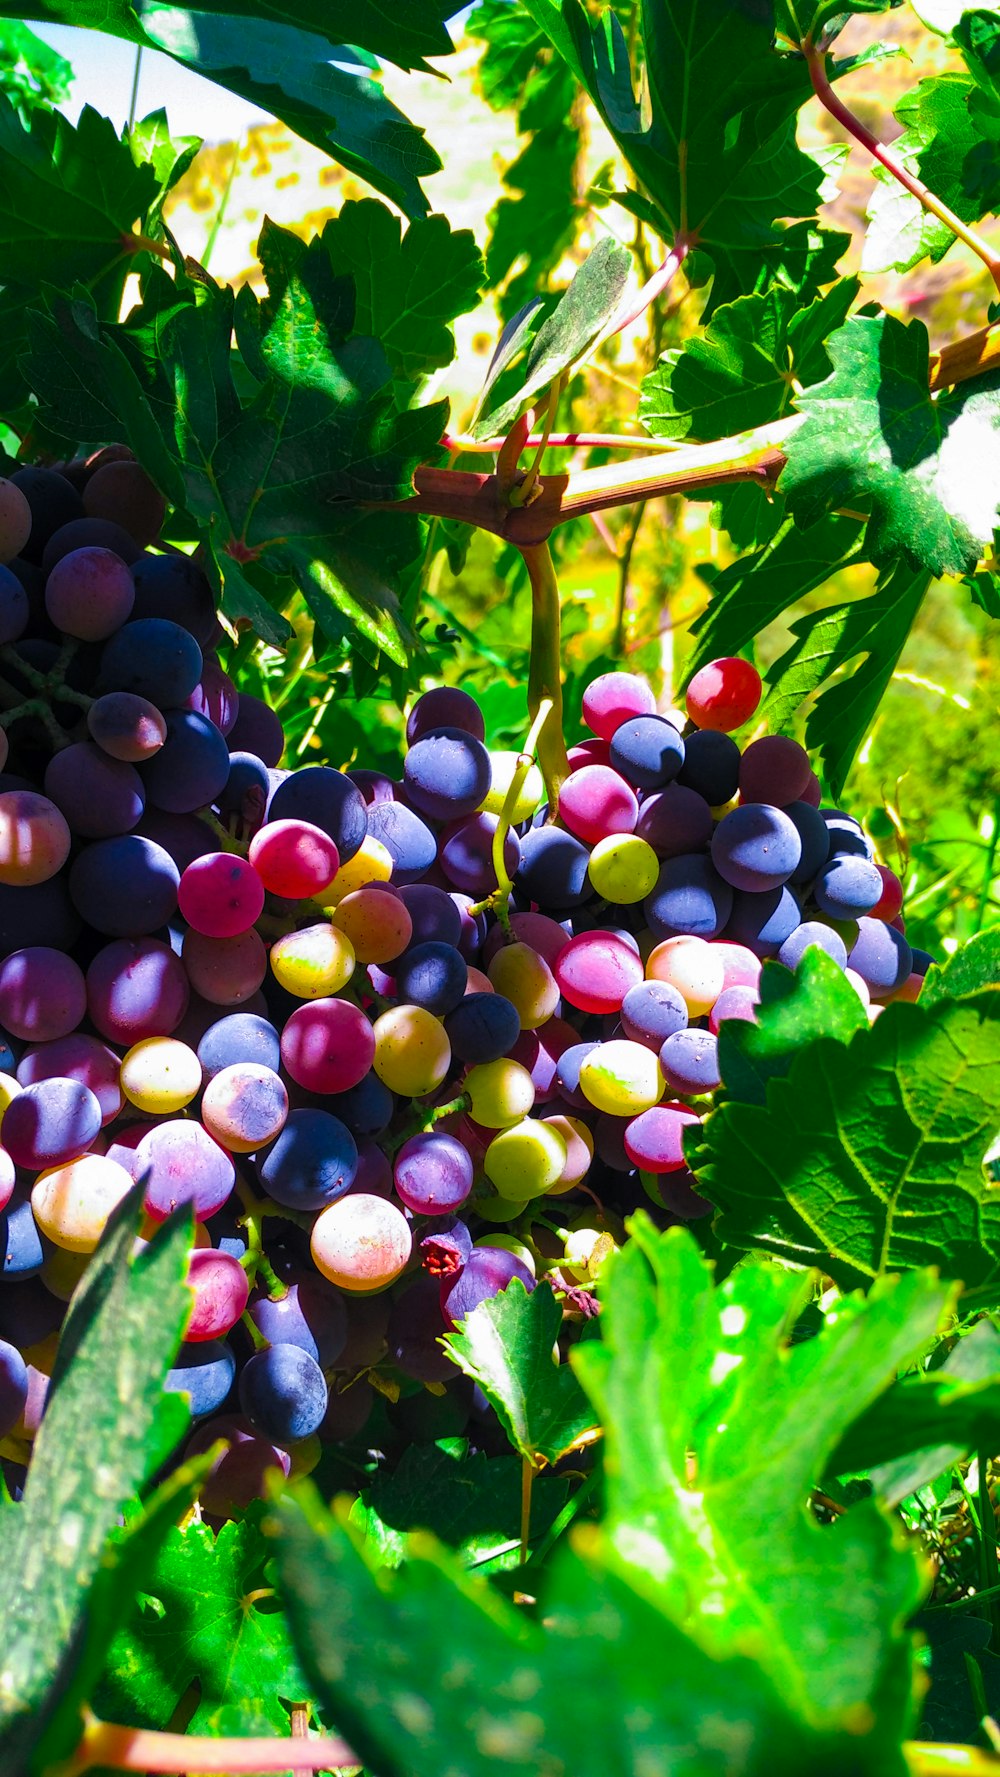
x=950 y=140
x=794 y=1008
x=869 y=1156
x=506 y=1346
x=472 y=1503
x=927 y=469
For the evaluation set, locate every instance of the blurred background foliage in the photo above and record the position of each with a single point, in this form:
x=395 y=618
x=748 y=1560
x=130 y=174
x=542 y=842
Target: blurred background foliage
x=528 y=166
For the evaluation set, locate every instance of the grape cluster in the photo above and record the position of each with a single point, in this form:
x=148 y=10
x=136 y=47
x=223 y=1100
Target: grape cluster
x=372 y=1032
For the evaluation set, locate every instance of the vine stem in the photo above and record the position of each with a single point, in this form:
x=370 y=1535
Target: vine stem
x=147 y=1750
x=560 y=441
x=887 y=158
x=651 y=289
x=929 y=1759
x=545 y=669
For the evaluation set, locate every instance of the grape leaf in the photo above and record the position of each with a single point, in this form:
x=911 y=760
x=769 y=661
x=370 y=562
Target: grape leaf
x=740 y=372
x=716 y=1427
x=506 y=1346
x=97 y=1445
x=815 y=1001
x=208 y=1614
x=869 y=1156
x=471 y=1503
x=928 y=469
x=428 y=1670
x=568 y=331
x=753 y=591
x=950 y=140
x=32 y=74
x=535 y=223
x=826 y=643
x=974 y=966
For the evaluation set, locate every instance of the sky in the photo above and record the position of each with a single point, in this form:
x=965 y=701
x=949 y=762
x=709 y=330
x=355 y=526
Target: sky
x=105 y=66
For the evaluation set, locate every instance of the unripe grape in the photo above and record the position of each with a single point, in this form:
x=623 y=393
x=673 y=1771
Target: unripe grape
x=160 y=1075
x=313 y=962
x=523 y=977
x=527 y=1159
x=691 y=965
x=501 y=1093
x=72 y=1203
x=504 y=765
x=361 y=1243
x=412 y=1051
x=623 y=868
x=621 y=1078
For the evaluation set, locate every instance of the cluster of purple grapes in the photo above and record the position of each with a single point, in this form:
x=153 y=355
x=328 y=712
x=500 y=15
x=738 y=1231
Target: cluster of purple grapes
x=373 y=1032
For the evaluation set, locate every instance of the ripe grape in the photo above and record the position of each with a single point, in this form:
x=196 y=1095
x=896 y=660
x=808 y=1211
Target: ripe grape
x=180 y=1163
x=241 y=1036
x=126 y=726
x=483 y=1027
x=612 y=699
x=76 y=1057
x=432 y=976
x=153 y=658
x=34 y=839
x=328 y=1045
x=433 y=1174
x=283 y=1393
x=205 y=1372
x=125 y=887
x=756 y=847
x=653 y=1140
x=89 y=594
x=311 y=1162
x=244 y=1106
x=294 y=858
x=690 y=899
x=43 y=994
x=326 y=799
x=774 y=769
x=220 y=895
x=174 y=587
x=123 y=490
x=224 y=970
x=99 y=797
x=647 y=751
x=50 y=1122
x=489 y=1270
x=221 y=1292
x=724 y=694
x=15 y=520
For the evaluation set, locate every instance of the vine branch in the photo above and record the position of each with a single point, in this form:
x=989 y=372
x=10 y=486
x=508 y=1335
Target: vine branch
x=545 y=669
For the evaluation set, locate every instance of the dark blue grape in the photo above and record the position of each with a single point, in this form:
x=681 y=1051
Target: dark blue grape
x=434 y=914
x=246 y=790
x=192 y=766
x=711 y=766
x=206 y=1373
x=239 y=1037
x=13 y=1386
x=812 y=931
x=125 y=888
x=53 y=501
x=553 y=869
x=416 y=1327
x=433 y=1174
x=256 y=730
x=175 y=587
x=447 y=775
x=567 y=1074
x=763 y=921
x=310 y=1315
x=367 y=1108
x=690 y=1062
x=647 y=751
x=42 y=914
x=434 y=976
x=283 y=1393
x=482 y=1027
x=814 y=835
x=28 y=1312
x=21 y=1247
x=153 y=658
x=652 y=1012
x=690 y=897
x=311 y=1163
x=881 y=957
x=89 y=533
x=329 y=800
x=444 y=706
x=756 y=847
x=848 y=887
x=408 y=840
x=676 y=820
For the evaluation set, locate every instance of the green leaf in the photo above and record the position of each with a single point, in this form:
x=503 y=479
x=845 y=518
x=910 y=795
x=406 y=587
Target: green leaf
x=197 y=1621
x=740 y=372
x=716 y=1427
x=950 y=140
x=927 y=1422
x=471 y=1503
x=753 y=591
x=93 y=1451
x=32 y=75
x=974 y=966
x=826 y=643
x=794 y=1009
x=869 y=1156
x=169 y=156
x=928 y=469
x=506 y=1346
x=428 y=1670
x=535 y=225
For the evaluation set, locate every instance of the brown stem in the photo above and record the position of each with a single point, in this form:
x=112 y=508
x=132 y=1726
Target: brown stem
x=147 y=1750
x=545 y=667
x=887 y=157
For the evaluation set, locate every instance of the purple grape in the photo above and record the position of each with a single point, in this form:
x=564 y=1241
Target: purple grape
x=433 y=1174
x=487 y=1271
x=416 y=1325
x=47 y=1124
x=447 y=775
x=756 y=847
x=466 y=853
x=13 y=1386
x=812 y=931
x=182 y=1164
x=651 y=1012
x=690 y=1062
x=283 y=1393
x=311 y=1315
x=445 y=706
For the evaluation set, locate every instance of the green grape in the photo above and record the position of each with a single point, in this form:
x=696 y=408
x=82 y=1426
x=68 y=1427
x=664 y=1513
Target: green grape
x=501 y=1093
x=412 y=1051
x=313 y=962
x=623 y=868
x=524 y=978
x=528 y=1158
x=504 y=765
x=500 y=1209
x=621 y=1078
x=160 y=1075
x=511 y=1244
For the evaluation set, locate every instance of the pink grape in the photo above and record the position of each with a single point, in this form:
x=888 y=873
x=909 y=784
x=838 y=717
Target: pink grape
x=612 y=699
x=595 y=801
x=327 y=1045
x=221 y=895
x=653 y=1139
x=182 y=1164
x=596 y=970
x=294 y=859
x=724 y=694
x=221 y=1293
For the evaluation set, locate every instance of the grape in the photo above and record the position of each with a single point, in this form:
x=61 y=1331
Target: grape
x=182 y=1164
x=848 y=887
x=191 y=767
x=366 y=1108
x=294 y=859
x=501 y=1093
x=466 y=854
x=376 y=923
x=136 y=987
x=553 y=868
x=309 y=1315
x=524 y=978
x=8 y=1176
x=762 y=922
x=734 y=1002
x=214 y=696
x=586 y=752
x=811 y=931
x=433 y=1174
x=756 y=847
x=42 y=994
x=99 y=797
x=740 y=967
x=674 y=822
x=416 y=1326
x=654 y=1140
x=612 y=699
x=13 y=1370
x=621 y=1077
x=503 y=766
x=220 y=895
x=623 y=869
x=48 y=1123
x=651 y=1012
x=361 y=1242
x=160 y=1075
x=21 y=1250
x=488 y=1271
x=847 y=835
x=126 y=887
x=224 y=970
x=690 y=1062
x=328 y=1045
x=14 y=606
x=326 y=799
x=256 y=730
x=34 y=839
x=89 y=533
x=690 y=899
x=774 y=769
x=313 y=962
x=537 y=930
x=242 y=1473
x=579 y=1151
x=412 y=1052
x=694 y=968
x=433 y=976
x=76 y=1057
x=371 y=863
x=482 y=1027
x=891 y=900
x=176 y=588
x=647 y=751
x=815 y=838
x=724 y=694
x=15 y=521
x=311 y=1163
x=89 y=594
x=596 y=971
x=126 y=727
x=221 y=1292
x=374 y=1174
x=240 y=1037
x=595 y=802
x=72 y=1203
x=375 y=786
x=183 y=837
x=153 y=658
x=881 y=956
x=434 y=916
x=525 y=1160
x=205 y=1373
x=124 y=491
x=244 y=1106
x=246 y=791
x=283 y=1393
x=447 y=774
x=52 y=502
x=444 y=706
x=28 y=1314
